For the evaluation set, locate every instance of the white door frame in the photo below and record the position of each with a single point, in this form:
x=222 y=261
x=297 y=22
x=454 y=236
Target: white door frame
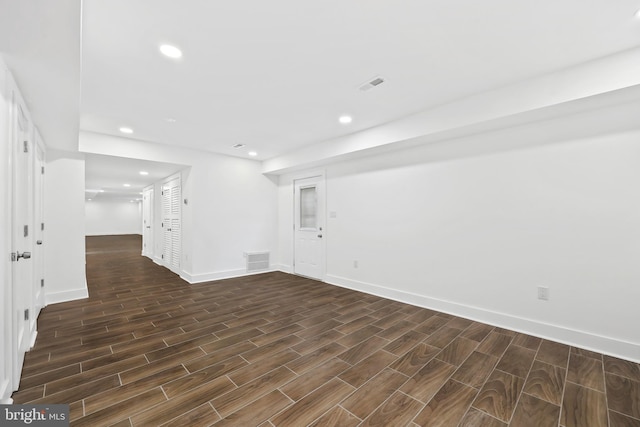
x=319 y=178
x=148 y=228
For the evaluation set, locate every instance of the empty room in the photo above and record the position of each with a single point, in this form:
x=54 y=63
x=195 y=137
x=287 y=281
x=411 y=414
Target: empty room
x=287 y=213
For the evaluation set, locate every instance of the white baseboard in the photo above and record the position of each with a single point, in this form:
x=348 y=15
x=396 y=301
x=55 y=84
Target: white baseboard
x=34 y=336
x=5 y=392
x=284 y=268
x=220 y=275
x=56 y=297
x=589 y=341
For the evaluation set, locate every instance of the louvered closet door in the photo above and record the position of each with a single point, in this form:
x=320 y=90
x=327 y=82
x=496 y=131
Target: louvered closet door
x=172 y=224
x=176 y=224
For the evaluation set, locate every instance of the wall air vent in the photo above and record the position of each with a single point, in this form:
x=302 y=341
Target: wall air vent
x=376 y=81
x=257 y=261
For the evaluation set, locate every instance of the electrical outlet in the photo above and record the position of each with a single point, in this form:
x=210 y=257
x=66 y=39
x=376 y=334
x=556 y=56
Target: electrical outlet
x=543 y=293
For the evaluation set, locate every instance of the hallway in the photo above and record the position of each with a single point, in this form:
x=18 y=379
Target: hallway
x=146 y=348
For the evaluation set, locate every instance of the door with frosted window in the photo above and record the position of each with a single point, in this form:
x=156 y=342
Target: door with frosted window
x=309 y=227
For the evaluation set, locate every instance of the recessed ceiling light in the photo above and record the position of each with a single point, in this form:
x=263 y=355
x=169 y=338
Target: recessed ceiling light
x=144 y=173
x=345 y=119
x=89 y=199
x=127 y=185
x=170 y=51
x=252 y=153
x=170 y=120
x=126 y=130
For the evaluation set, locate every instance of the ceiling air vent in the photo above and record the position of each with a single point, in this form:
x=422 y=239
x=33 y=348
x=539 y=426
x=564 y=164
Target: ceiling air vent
x=236 y=146
x=376 y=81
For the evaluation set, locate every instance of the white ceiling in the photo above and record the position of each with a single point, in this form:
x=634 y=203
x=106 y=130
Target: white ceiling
x=276 y=75
x=106 y=176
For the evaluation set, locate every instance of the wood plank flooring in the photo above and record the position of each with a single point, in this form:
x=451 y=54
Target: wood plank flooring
x=148 y=349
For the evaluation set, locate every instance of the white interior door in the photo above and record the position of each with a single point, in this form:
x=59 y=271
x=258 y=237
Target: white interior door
x=172 y=224
x=309 y=247
x=147 y=222
x=22 y=231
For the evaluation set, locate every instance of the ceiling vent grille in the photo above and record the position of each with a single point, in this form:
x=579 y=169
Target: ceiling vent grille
x=376 y=81
x=236 y=146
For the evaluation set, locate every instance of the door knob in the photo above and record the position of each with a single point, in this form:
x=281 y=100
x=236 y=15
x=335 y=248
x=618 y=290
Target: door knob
x=39 y=242
x=320 y=236
x=25 y=255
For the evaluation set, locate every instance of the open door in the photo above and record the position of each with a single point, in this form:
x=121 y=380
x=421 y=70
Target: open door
x=309 y=247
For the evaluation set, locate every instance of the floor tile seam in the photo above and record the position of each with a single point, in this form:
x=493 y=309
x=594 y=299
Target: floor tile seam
x=339 y=405
x=463 y=361
x=257 y=398
x=277 y=414
x=488 y=414
x=588 y=388
x=606 y=395
x=622 y=413
x=216 y=412
x=487 y=379
x=123 y=400
x=564 y=386
x=540 y=398
x=513 y=375
x=577 y=353
x=623 y=375
x=45 y=372
x=620 y=376
x=336 y=376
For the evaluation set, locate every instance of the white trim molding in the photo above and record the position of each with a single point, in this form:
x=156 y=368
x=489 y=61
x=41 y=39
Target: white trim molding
x=589 y=341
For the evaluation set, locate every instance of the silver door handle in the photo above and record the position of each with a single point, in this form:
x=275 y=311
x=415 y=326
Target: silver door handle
x=39 y=242
x=25 y=255
x=320 y=236
x=148 y=226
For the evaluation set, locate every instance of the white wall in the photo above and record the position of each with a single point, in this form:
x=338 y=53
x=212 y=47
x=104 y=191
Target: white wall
x=112 y=217
x=6 y=388
x=232 y=206
x=476 y=236
x=64 y=227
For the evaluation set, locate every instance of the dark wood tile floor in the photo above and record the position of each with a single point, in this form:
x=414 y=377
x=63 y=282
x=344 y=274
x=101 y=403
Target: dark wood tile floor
x=274 y=349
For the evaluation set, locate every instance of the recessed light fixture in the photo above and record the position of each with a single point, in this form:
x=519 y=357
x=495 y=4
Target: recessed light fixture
x=170 y=51
x=252 y=153
x=89 y=199
x=345 y=120
x=126 y=130
x=144 y=173
x=127 y=185
x=170 y=120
